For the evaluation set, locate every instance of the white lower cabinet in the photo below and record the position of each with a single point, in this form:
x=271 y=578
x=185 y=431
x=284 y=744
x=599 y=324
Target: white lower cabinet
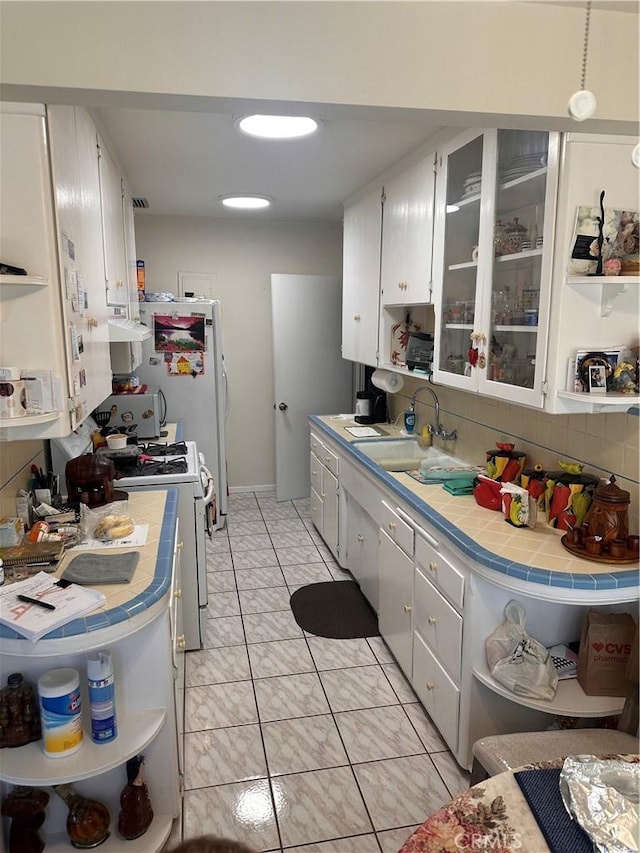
x=395 y=600
x=436 y=690
x=324 y=494
x=361 y=551
x=438 y=623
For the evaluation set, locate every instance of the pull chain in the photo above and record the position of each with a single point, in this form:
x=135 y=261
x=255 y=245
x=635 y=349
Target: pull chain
x=585 y=48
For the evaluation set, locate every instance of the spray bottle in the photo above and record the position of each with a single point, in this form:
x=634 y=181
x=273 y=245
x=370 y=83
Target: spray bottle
x=410 y=419
x=102 y=697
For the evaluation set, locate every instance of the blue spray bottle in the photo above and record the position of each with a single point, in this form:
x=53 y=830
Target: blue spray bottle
x=409 y=419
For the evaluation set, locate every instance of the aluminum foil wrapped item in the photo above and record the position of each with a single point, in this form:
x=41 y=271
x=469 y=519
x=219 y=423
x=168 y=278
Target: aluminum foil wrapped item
x=603 y=796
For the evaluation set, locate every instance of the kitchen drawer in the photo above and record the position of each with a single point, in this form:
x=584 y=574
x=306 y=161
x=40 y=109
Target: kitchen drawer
x=315 y=508
x=436 y=691
x=315 y=471
x=326 y=456
x=398 y=529
x=438 y=566
x=438 y=623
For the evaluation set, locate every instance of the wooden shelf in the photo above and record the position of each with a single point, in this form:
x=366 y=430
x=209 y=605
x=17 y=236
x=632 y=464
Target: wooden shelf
x=458 y=325
x=519 y=256
x=28 y=765
x=522 y=192
x=467 y=265
x=528 y=329
x=570 y=699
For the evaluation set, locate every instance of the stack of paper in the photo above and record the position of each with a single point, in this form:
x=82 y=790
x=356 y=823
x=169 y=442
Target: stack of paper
x=33 y=620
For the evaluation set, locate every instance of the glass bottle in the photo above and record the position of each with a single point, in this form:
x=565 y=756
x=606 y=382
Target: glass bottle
x=136 y=813
x=87 y=821
x=25 y=806
x=19 y=713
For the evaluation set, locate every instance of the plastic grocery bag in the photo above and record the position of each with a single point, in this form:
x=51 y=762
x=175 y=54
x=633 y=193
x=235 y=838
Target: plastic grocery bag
x=517 y=661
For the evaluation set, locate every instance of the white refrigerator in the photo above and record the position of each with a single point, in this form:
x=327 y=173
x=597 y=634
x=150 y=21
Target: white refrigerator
x=183 y=357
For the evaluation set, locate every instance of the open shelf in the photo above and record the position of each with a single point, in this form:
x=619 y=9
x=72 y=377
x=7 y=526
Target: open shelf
x=609 y=402
x=153 y=839
x=570 y=699
x=611 y=287
x=24 y=280
x=28 y=765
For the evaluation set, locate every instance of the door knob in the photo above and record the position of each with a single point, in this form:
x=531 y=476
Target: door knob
x=283 y=407
x=407 y=608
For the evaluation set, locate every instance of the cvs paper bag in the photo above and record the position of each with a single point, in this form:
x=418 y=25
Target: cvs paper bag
x=605 y=648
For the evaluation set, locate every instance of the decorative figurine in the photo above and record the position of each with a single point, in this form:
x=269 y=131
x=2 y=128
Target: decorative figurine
x=87 y=821
x=19 y=713
x=25 y=806
x=136 y=813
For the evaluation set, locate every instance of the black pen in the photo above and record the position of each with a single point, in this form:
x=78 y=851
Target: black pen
x=28 y=600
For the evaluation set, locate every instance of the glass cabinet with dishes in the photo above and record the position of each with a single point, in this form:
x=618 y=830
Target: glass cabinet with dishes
x=495 y=212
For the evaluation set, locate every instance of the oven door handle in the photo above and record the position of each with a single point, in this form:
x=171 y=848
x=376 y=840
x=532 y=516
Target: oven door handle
x=211 y=486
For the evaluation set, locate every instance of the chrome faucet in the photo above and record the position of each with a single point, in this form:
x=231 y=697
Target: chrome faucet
x=438 y=430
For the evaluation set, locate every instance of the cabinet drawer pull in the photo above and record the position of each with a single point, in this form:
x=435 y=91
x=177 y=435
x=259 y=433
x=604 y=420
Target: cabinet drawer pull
x=430 y=685
x=407 y=608
x=432 y=620
x=327 y=459
x=356 y=317
x=181 y=643
x=323 y=494
x=313 y=471
x=178 y=593
x=392 y=525
x=432 y=566
x=360 y=537
x=180 y=546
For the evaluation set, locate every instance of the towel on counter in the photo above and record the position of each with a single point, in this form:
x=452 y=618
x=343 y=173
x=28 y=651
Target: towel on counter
x=461 y=486
x=96 y=569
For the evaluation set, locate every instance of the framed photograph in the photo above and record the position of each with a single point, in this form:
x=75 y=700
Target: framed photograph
x=585 y=360
x=597 y=379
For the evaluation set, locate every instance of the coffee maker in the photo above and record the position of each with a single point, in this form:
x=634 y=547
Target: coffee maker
x=371 y=404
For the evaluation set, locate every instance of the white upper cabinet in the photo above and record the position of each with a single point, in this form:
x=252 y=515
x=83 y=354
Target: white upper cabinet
x=113 y=226
x=407 y=236
x=361 y=279
x=54 y=319
x=495 y=215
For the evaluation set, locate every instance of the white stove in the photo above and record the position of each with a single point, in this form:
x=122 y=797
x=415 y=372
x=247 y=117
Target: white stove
x=144 y=468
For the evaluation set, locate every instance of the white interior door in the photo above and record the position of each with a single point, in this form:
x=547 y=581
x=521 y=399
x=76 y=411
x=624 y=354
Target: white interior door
x=310 y=375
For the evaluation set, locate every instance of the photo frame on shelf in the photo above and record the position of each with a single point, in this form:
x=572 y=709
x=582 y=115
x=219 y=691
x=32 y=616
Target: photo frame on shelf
x=597 y=379
x=607 y=360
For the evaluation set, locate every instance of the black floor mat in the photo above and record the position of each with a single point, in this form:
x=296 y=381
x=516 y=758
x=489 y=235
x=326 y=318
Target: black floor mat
x=335 y=609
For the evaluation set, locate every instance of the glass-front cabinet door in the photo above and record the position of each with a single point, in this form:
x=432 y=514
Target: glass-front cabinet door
x=494 y=229
x=456 y=269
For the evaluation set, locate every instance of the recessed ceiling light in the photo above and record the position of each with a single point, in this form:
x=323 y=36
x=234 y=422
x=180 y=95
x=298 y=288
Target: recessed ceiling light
x=246 y=202
x=277 y=127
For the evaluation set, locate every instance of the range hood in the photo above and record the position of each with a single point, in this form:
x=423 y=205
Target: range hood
x=127 y=330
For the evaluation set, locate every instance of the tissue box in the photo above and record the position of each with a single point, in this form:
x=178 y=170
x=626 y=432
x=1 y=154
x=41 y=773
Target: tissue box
x=11 y=531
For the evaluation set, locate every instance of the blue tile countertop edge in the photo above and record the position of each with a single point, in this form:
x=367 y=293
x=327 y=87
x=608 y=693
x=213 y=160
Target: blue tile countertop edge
x=566 y=580
x=157 y=589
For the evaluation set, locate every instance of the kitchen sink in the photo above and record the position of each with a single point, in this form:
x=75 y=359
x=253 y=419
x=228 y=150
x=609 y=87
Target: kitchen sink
x=405 y=454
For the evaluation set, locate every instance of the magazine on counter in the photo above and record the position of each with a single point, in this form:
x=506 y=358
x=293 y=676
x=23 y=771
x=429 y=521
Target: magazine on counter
x=52 y=604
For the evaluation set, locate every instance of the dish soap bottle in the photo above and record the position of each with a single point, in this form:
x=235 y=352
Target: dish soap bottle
x=410 y=419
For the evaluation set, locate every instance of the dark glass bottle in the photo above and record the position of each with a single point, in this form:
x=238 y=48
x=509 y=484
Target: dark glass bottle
x=87 y=821
x=19 y=713
x=136 y=813
x=25 y=806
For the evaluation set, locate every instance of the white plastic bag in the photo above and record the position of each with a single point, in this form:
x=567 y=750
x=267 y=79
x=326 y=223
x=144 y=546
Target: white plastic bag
x=517 y=661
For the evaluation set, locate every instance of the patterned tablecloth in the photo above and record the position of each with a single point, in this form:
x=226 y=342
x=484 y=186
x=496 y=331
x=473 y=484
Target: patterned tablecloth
x=492 y=816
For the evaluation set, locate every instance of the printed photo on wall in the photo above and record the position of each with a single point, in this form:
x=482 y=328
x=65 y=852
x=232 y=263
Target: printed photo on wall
x=620 y=232
x=172 y=333
x=185 y=364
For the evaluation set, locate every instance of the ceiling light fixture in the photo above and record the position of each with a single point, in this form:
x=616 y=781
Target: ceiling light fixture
x=277 y=127
x=246 y=202
x=582 y=104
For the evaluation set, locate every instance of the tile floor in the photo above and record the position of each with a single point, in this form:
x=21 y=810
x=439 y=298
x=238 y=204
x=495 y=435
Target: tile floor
x=295 y=742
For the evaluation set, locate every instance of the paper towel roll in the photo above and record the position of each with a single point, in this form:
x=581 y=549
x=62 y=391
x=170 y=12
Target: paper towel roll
x=387 y=381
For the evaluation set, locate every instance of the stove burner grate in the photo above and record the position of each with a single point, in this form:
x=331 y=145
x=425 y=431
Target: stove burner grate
x=178 y=448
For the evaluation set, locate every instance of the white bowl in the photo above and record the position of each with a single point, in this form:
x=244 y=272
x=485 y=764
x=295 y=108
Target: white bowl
x=116 y=441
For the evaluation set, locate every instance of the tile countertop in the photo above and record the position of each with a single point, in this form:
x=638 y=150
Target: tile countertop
x=151 y=579
x=535 y=555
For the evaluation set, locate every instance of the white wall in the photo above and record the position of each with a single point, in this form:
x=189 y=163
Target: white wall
x=490 y=59
x=242 y=255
